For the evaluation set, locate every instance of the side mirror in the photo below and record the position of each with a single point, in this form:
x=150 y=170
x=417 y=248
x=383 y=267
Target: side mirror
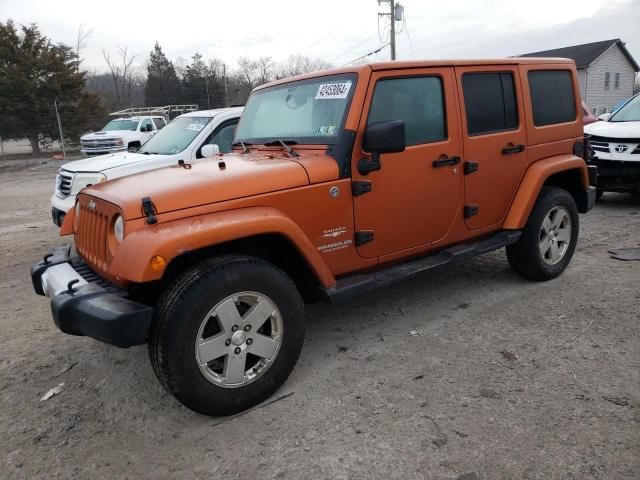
x=604 y=117
x=381 y=137
x=210 y=150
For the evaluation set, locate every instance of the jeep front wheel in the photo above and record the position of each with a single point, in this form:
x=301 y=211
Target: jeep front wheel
x=549 y=237
x=227 y=334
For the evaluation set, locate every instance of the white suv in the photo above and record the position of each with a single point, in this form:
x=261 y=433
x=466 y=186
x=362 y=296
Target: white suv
x=615 y=149
x=121 y=134
x=182 y=139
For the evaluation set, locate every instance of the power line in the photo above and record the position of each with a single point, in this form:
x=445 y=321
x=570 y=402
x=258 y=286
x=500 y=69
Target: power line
x=367 y=54
x=353 y=48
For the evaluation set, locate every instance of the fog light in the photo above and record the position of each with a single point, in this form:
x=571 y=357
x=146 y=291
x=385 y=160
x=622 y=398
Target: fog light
x=158 y=262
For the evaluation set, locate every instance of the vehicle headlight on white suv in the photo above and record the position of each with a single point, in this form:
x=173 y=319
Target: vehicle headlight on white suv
x=81 y=180
x=118 y=228
x=119 y=142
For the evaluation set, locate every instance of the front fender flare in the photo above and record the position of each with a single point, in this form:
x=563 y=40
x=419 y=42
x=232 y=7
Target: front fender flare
x=172 y=239
x=533 y=181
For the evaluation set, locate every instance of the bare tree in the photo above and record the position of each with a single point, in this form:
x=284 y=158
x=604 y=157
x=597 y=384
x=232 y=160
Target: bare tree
x=247 y=72
x=265 y=69
x=298 y=64
x=81 y=41
x=122 y=74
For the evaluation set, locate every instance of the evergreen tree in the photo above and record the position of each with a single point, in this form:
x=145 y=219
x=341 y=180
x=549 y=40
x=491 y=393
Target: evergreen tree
x=163 y=86
x=202 y=84
x=33 y=74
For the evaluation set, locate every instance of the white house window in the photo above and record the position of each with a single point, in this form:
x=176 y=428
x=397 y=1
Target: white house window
x=607 y=80
x=616 y=82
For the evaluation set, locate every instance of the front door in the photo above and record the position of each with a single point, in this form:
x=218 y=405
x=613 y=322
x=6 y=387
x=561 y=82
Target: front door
x=414 y=196
x=494 y=141
x=146 y=130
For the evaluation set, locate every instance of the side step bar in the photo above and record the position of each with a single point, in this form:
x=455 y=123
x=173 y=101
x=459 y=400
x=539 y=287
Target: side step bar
x=356 y=284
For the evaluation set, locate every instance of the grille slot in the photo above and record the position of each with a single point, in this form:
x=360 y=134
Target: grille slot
x=63 y=183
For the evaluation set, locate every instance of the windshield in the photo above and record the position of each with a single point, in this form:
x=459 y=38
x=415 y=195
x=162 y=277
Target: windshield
x=176 y=136
x=307 y=111
x=121 y=125
x=629 y=113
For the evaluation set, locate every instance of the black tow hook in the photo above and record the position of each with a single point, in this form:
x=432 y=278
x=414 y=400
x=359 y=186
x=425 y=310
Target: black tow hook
x=70 y=285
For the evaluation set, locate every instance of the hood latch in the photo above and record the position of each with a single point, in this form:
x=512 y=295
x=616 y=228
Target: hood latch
x=149 y=209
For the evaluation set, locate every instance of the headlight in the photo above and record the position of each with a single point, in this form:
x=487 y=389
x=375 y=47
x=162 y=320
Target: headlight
x=118 y=228
x=119 y=142
x=81 y=180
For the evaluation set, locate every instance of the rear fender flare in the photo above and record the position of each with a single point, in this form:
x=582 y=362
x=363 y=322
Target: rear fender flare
x=533 y=181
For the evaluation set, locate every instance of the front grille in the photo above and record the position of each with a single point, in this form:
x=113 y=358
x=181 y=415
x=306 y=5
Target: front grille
x=63 y=183
x=603 y=144
x=101 y=143
x=91 y=233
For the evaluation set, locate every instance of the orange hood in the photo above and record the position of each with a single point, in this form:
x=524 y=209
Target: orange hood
x=210 y=181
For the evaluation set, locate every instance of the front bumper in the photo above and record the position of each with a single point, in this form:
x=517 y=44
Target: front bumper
x=617 y=176
x=60 y=207
x=84 y=304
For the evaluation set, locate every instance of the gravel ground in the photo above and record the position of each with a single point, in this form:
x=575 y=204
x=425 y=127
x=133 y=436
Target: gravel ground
x=465 y=372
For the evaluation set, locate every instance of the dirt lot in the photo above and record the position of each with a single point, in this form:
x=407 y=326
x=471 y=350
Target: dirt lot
x=465 y=370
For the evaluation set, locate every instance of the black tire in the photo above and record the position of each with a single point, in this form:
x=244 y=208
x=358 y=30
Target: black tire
x=133 y=146
x=524 y=256
x=180 y=312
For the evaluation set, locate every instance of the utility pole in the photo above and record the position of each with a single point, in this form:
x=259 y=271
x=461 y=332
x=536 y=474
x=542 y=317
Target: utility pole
x=395 y=13
x=226 y=90
x=55 y=105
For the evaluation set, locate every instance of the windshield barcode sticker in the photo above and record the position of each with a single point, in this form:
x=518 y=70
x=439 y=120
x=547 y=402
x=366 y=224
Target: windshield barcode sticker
x=333 y=90
x=196 y=126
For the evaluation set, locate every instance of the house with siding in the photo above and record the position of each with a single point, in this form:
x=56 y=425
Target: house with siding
x=606 y=71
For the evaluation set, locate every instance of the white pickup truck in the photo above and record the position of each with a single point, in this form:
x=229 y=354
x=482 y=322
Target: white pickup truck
x=182 y=139
x=121 y=134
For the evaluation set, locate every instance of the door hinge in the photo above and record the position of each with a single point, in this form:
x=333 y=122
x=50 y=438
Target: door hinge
x=471 y=210
x=149 y=210
x=470 y=167
x=364 y=236
x=361 y=187
x=366 y=166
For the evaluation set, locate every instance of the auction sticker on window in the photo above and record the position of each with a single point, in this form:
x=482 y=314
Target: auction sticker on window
x=333 y=90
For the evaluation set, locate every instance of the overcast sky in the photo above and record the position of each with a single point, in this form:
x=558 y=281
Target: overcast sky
x=337 y=31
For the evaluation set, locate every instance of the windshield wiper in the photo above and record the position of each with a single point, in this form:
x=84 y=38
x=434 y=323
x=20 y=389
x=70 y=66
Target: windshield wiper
x=242 y=144
x=285 y=144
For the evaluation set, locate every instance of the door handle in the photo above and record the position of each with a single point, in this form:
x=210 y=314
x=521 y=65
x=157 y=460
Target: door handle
x=513 y=149
x=443 y=162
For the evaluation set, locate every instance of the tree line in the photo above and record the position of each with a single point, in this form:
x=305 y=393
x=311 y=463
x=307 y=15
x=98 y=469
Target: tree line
x=38 y=75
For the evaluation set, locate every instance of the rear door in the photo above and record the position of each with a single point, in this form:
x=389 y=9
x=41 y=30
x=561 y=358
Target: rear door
x=494 y=142
x=412 y=200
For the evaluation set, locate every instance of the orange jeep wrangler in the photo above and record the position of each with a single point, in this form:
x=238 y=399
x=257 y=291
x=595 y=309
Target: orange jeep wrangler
x=340 y=182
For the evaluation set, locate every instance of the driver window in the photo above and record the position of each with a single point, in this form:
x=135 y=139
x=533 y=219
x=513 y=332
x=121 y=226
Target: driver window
x=222 y=136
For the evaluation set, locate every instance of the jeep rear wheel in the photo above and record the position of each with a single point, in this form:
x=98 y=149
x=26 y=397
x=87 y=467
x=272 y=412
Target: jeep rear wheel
x=227 y=334
x=549 y=237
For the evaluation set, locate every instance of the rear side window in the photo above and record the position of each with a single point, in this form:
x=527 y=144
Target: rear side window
x=490 y=102
x=418 y=101
x=552 y=97
x=159 y=123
